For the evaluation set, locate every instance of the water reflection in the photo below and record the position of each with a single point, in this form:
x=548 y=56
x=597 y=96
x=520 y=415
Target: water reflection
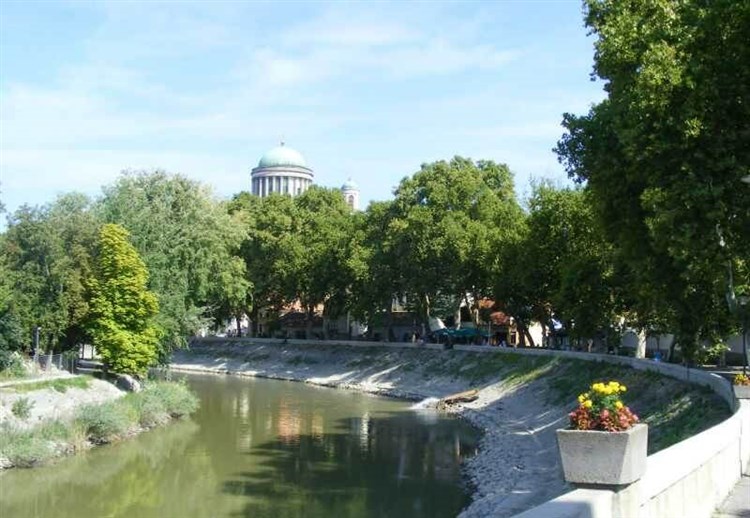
x=262 y=448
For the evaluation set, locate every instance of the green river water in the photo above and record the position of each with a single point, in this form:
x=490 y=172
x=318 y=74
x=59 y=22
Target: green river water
x=262 y=448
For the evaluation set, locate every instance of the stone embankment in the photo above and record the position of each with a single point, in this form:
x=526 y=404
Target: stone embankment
x=51 y=401
x=520 y=400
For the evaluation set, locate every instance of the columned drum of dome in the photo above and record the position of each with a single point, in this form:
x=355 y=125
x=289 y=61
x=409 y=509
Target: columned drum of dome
x=281 y=170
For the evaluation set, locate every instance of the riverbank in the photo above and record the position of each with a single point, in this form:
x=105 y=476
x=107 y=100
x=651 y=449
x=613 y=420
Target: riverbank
x=47 y=419
x=522 y=401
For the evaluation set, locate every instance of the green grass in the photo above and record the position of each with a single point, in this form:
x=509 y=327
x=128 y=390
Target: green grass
x=60 y=384
x=156 y=404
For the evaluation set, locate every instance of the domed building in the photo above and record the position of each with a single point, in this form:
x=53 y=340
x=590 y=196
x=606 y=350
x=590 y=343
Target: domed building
x=284 y=170
x=350 y=190
x=281 y=170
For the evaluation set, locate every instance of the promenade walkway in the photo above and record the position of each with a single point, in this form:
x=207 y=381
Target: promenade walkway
x=737 y=504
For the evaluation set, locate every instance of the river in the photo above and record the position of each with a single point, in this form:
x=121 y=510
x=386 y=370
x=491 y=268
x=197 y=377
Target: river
x=262 y=448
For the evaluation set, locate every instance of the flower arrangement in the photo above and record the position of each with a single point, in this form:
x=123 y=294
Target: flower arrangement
x=602 y=409
x=742 y=380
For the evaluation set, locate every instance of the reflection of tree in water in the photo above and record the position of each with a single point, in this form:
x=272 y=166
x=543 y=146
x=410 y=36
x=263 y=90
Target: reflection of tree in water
x=116 y=480
x=382 y=466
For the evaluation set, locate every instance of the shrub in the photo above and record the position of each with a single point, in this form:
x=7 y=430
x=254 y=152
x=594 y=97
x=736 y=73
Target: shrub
x=175 y=398
x=27 y=450
x=710 y=354
x=22 y=408
x=742 y=379
x=11 y=364
x=150 y=408
x=24 y=448
x=105 y=422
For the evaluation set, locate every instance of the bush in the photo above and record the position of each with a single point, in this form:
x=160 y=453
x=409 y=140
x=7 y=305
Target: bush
x=22 y=408
x=11 y=364
x=24 y=448
x=176 y=399
x=105 y=422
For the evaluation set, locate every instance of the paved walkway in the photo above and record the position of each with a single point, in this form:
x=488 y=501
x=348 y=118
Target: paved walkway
x=737 y=504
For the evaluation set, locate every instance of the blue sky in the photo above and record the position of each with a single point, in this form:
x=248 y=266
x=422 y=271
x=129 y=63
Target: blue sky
x=369 y=90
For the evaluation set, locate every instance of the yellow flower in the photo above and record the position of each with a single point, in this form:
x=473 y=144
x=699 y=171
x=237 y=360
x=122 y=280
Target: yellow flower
x=618 y=405
x=623 y=388
x=581 y=398
x=588 y=403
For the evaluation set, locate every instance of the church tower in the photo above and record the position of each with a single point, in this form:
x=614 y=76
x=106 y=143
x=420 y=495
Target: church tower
x=350 y=191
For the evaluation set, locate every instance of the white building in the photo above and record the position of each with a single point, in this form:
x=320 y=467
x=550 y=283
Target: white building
x=281 y=170
x=284 y=170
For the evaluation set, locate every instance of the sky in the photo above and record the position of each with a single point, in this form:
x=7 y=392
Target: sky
x=367 y=90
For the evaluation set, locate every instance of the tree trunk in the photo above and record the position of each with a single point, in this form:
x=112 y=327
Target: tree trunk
x=640 y=350
x=254 y=322
x=531 y=338
x=238 y=319
x=308 y=322
x=325 y=326
x=388 y=322
x=425 y=303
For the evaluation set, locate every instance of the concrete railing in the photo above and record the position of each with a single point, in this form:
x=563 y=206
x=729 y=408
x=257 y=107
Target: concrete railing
x=689 y=479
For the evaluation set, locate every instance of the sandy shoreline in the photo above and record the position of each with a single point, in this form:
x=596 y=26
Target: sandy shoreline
x=517 y=466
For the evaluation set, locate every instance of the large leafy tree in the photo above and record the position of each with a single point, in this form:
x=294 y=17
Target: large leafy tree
x=299 y=250
x=454 y=216
x=562 y=268
x=322 y=254
x=270 y=226
x=187 y=240
x=47 y=254
x=122 y=308
x=381 y=266
x=664 y=154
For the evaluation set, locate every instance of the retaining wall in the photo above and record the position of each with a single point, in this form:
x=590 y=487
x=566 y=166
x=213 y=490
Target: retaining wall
x=689 y=479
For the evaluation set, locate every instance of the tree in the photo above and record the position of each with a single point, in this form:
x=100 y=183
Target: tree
x=122 y=308
x=454 y=217
x=187 y=240
x=561 y=269
x=664 y=154
x=381 y=266
x=47 y=251
x=269 y=224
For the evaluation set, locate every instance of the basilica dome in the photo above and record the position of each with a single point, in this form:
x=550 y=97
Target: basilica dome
x=282 y=156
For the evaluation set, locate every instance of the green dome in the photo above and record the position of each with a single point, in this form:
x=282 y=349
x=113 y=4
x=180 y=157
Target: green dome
x=282 y=156
x=349 y=185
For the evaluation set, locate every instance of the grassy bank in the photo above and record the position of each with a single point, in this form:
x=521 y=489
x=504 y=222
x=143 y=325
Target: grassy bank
x=158 y=403
x=59 y=384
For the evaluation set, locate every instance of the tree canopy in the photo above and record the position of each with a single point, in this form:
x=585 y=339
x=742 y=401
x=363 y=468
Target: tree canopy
x=664 y=154
x=122 y=308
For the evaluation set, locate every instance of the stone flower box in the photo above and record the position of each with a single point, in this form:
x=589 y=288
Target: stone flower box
x=604 y=458
x=742 y=391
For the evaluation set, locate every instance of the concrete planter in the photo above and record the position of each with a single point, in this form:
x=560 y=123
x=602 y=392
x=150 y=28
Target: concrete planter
x=741 y=391
x=604 y=458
